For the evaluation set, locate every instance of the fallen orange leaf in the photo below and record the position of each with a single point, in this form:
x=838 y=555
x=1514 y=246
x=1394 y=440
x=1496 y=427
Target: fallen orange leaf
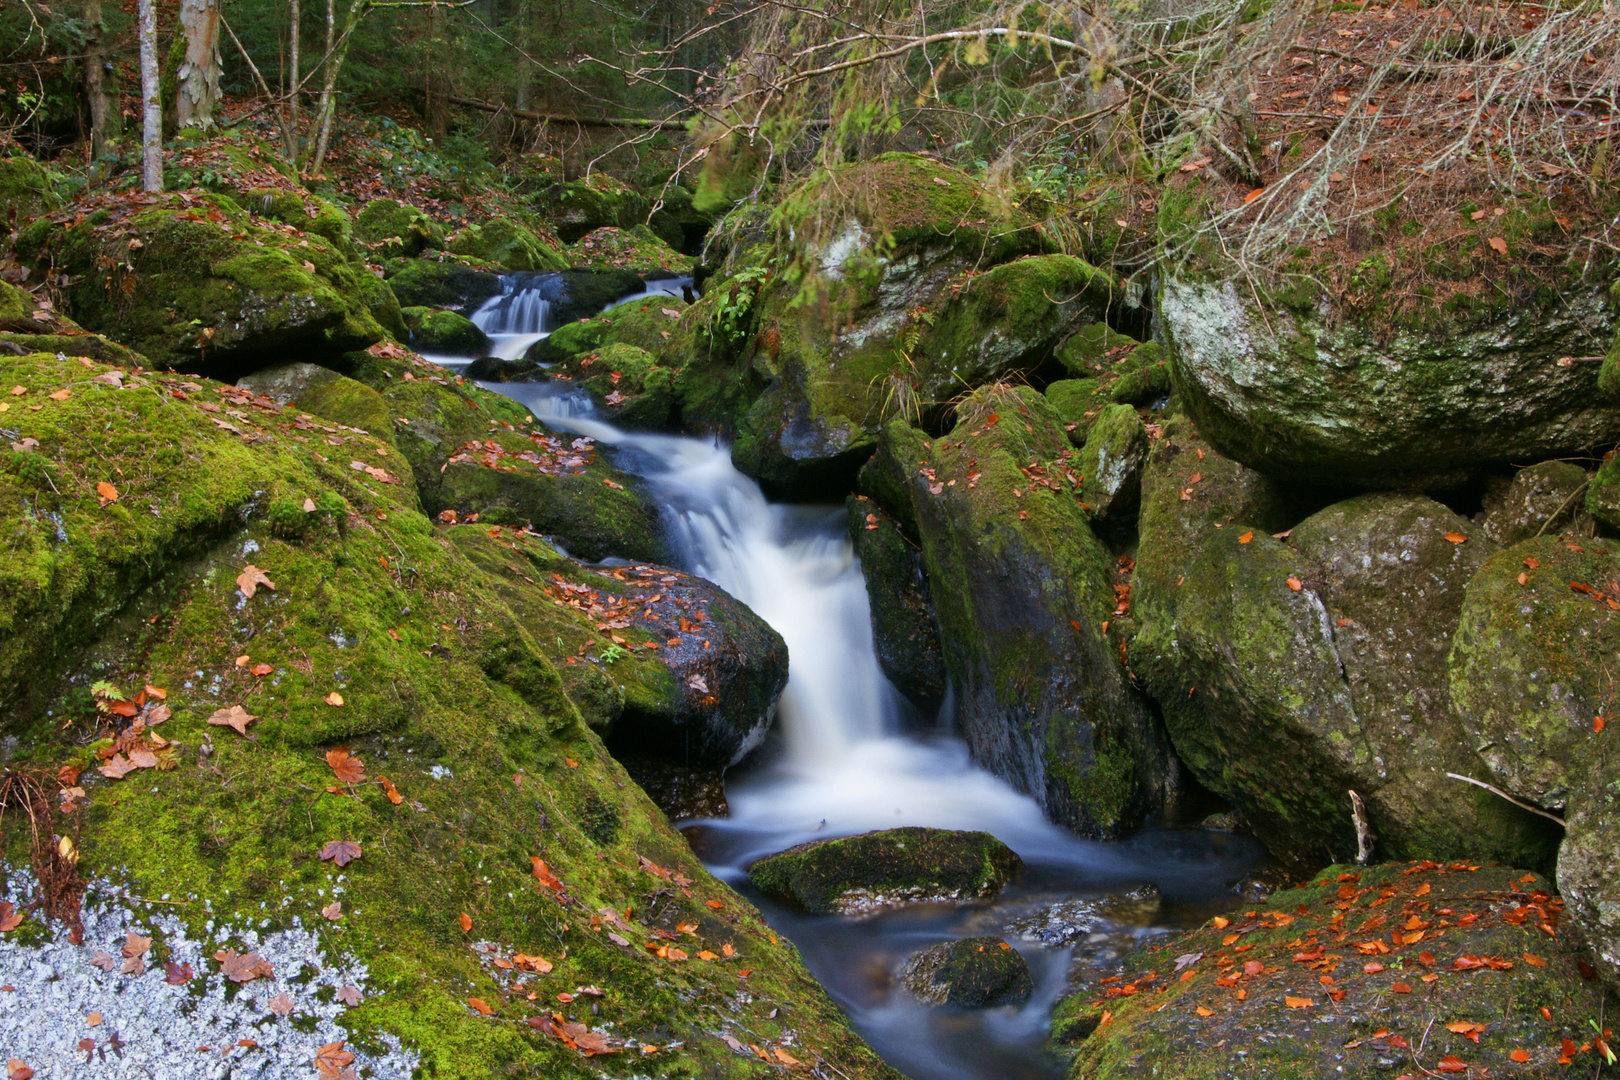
x=1295 y=584
x=1298 y=1002
x=478 y=1003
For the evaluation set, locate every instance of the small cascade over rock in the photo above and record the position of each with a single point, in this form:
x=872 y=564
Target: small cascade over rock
x=521 y=314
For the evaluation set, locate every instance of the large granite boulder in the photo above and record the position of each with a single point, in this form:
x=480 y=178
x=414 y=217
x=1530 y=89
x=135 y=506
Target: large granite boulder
x=1294 y=390
x=1023 y=591
x=1291 y=672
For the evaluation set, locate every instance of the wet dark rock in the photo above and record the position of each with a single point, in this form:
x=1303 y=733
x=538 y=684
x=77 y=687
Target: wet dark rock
x=860 y=874
x=973 y=973
x=1545 y=499
x=903 y=628
x=682 y=793
x=693 y=703
x=1111 y=463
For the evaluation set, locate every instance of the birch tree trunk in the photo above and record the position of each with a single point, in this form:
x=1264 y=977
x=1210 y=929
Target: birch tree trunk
x=151 y=100
x=336 y=50
x=295 y=89
x=197 y=89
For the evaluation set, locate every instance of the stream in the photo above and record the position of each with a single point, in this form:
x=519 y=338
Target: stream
x=843 y=761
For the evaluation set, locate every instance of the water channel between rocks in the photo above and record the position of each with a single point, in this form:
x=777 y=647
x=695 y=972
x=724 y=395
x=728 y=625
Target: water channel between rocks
x=842 y=763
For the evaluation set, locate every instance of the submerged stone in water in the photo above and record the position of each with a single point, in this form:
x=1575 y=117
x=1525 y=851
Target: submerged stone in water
x=860 y=874
x=974 y=973
x=1072 y=920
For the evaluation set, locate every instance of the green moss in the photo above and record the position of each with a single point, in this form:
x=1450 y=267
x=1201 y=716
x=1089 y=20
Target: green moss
x=443 y=692
x=436 y=331
x=392 y=229
x=636 y=248
x=508 y=245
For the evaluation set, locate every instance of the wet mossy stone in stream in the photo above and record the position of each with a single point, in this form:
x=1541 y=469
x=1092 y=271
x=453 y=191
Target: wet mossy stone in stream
x=324 y=393
x=1022 y=588
x=971 y=973
x=646 y=324
x=665 y=666
x=1548 y=498
x=903 y=629
x=443 y=692
x=626 y=384
x=1194 y=1008
x=860 y=874
x=435 y=284
x=199 y=284
x=1307 y=395
x=436 y=331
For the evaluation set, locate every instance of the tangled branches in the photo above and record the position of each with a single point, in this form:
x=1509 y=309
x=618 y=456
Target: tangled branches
x=53 y=850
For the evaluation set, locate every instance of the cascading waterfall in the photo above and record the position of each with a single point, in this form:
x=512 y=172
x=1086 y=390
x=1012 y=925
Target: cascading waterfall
x=522 y=314
x=845 y=768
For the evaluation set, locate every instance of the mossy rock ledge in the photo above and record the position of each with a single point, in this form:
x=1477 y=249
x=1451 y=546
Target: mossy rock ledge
x=1367 y=971
x=201 y=285
x=861 y=874
x=972 y=973
x=505 y=855
x=436 y=331
x=1422 y=405
x=903 y=625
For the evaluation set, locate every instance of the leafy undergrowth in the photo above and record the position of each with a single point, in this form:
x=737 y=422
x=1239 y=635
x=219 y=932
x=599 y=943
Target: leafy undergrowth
x=339 y=699
x=1400 y=970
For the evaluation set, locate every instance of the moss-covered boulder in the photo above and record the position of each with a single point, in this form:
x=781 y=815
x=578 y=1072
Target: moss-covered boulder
x=1603 y=493
x=1588 y=877
x=26 y=192
x=625 y=382
x=646 y=324
x=480 y=844
x=880 y=337
x=1533 y=661
x=441 y=284
x=970 y=973
x=1023 y=589
x=507 y=244
x=1293 y=390
x=903 y=630
x=1290 y=673
x=323 y=393
x=664 y=665
x=636 y=249
x=438 y=331
x=201 y=285
x=1317 y=983
x=861 y=874
x=1112 y=458
x=392 y=229
x=30 y=324
x=578 y=208
x=1544 y=498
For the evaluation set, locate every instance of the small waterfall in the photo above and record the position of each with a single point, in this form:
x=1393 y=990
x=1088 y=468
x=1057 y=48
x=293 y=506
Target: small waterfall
x=520 y=315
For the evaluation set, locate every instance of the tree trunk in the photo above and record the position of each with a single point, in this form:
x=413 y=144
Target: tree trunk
x=295 y=85
x=435 y=89
x=336 y=51
x=197 y=87
x=151 y=102
x=525 y=62
x=100 y=84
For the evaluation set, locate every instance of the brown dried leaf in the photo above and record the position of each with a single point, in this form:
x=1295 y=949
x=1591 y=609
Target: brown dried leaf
x=342 y=852
x=236 y=718
x=345 y=767
x=251 y=578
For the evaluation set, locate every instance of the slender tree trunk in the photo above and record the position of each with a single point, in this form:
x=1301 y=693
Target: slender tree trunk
x=295 y=87
x=197 y=81
x=336 y=50
x=525 y=44
x=151 y=102
x=435 y=88
x=100 y=91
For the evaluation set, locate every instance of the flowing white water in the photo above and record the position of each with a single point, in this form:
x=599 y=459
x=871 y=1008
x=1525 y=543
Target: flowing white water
x=844 y=767
x=521 y=315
